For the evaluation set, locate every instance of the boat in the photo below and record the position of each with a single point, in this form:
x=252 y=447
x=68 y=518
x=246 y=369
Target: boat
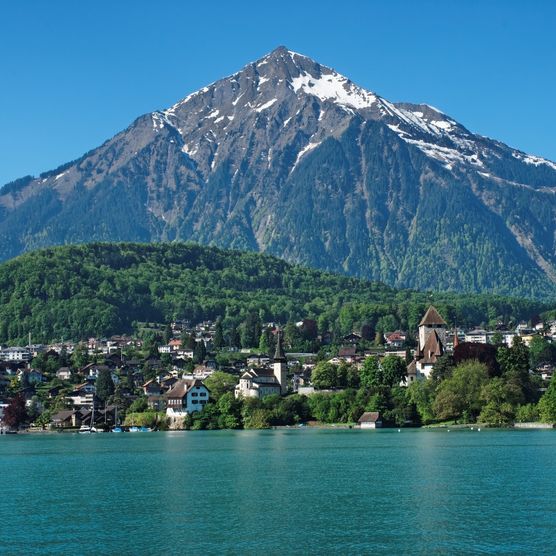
x=140 y=429
x=86 y=429
x=117 y=429
x=89 y=429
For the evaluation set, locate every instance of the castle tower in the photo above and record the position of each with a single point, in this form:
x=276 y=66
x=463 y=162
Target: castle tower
x=280 y=364
x=431 y=322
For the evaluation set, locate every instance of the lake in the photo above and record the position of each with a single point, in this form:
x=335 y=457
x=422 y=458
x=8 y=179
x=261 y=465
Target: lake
x=289 y=491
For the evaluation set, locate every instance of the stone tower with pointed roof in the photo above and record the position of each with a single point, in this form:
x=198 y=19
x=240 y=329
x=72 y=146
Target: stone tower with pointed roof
x=432 y=339
x=281 y=364
x=431 y=322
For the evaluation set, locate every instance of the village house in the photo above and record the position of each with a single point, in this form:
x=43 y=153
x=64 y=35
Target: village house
x=395 y=339
x=83 y=395
x=63 y=373
x=477 y=336
x=259 y=360
x=186 y=397
x=68 y=418
x=370 y=420
x=151 y=388
x=15 y=354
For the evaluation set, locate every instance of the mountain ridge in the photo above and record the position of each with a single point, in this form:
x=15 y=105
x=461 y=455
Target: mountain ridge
x=289 y=157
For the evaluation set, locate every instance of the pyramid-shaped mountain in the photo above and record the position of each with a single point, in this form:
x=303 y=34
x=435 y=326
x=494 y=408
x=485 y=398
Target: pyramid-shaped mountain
x=291 y=158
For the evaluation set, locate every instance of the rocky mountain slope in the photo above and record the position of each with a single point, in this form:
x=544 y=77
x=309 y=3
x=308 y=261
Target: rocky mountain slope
x=290 y=158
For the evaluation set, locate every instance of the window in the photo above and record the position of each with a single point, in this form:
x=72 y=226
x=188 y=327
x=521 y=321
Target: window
x=194 y=394
x=203 y=394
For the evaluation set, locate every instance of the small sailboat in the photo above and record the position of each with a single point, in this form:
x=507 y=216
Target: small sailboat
x=90 y=428
x=116 y=427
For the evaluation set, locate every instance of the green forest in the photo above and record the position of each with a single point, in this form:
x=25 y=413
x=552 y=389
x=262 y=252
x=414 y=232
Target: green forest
x=100 y=289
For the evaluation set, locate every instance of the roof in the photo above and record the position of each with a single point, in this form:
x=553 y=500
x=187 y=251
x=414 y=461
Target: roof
x=63 y=415
x=432 y=317
x=412 y=368
x=347 y=351
x=432 y=349
x=181 y=388
x=279 y=355
x=369 y=417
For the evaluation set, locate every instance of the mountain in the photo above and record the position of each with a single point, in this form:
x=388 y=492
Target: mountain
x=75 y=292
x=290 y=158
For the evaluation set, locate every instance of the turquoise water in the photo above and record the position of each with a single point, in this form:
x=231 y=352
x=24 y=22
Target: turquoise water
x=280 y=492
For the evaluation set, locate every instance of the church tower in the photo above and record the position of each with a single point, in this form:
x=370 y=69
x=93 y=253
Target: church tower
x=432 y=322
x=280 y=364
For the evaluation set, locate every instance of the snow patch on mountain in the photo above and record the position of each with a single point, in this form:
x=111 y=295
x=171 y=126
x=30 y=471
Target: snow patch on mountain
x=333 y=87
x=266 y=105
x=533 y=160
x=309 y=147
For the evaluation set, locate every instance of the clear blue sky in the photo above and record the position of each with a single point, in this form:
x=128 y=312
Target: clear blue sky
x=73 y=73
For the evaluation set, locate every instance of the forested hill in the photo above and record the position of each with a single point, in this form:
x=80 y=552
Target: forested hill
x=100 y=289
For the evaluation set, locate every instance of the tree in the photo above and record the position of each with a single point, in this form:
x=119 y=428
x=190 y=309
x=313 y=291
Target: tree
x=218 y=340
x=166 y=359
x=443 y=368
x=15 y=414
x=199 y=352
x=139 y=405
x=497 y=339
x=188 y=340
x=500 y=401
x=230 y=411
x=394 y=371
x=324 y=375
x=514 y=360
x=421 y=393
x=540 y=351
x=104 y=385
x=460 y=395
x=370 y=373
x=80 y=356
x=292 y=335
x=514 y=363
x=219 y=383
x=167 y=334
x=234 y=339
x=264 y=341
x=250 y=330
x=547 y=404
x=383 y=375
x=527 y=413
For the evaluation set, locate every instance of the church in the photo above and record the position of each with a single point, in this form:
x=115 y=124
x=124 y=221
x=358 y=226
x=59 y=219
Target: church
x=258 y=383
x=430 y=346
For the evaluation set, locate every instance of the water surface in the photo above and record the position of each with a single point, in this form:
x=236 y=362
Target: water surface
x=296 y=491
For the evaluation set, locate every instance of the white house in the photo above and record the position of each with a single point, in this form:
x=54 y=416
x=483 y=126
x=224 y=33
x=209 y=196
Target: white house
x=477 y=336
x=83 y=395
x=16 y=354
x=63 y=373
x=187 y=396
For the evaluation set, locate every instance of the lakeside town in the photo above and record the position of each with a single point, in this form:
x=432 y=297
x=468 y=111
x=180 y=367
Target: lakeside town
x=171 y=374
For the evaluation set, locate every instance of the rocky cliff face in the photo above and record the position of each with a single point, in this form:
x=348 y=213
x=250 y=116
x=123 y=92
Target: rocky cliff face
x=291 y=158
